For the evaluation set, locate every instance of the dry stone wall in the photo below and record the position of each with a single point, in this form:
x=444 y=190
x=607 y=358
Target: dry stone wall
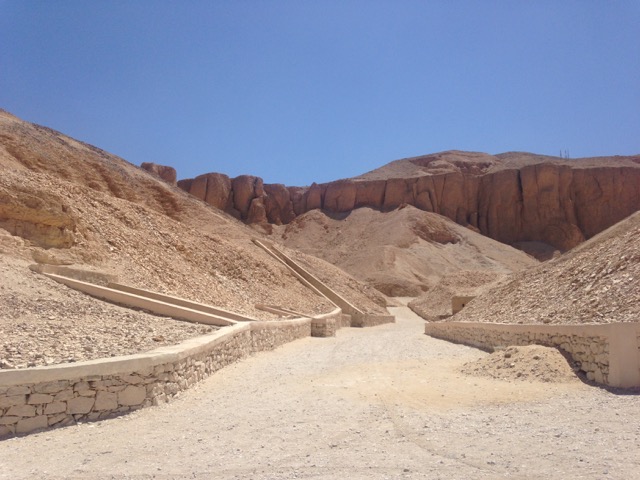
x=55 y=396
x=39 y=398
x=607 y=354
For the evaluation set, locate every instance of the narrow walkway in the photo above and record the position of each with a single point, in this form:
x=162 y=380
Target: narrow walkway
x=384 y=402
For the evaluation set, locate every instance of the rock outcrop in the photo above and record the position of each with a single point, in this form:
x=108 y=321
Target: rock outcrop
x=512 y=197
x=168 y=174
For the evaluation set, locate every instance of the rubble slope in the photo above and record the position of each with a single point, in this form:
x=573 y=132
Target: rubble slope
x=597 y=282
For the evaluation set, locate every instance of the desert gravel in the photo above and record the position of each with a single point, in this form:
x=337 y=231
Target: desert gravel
x=386 y=402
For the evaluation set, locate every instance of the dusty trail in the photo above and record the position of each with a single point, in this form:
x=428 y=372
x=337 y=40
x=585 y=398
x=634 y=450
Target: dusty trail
x=385 y=402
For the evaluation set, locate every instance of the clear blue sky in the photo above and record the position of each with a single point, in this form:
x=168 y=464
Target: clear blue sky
x=314 y=90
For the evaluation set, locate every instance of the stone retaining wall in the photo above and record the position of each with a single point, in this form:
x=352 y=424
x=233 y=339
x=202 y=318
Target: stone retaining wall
x=608 y=354
x=52 y=396
x=327 y=325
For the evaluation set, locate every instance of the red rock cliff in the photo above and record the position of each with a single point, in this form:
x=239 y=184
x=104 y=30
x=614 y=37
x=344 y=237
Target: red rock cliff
x=510 y=197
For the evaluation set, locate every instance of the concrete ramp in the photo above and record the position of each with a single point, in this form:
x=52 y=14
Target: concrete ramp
x=139 y=301
x=308 y=279
x=281 y=311
x=182 y=302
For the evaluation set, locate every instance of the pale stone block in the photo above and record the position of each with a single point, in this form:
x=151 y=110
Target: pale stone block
x=87 y=393
x=51 y=387
x=80 y=386
x=64 y=395
x=106 y=401
x=132 y=395
x=3 y=390
x=20 y=390
x=58 y=418
x=30 y=424
x=6 y=420
x=598 y=377
x=22 y=411
x=39 y=398
x=6 y=402
x=4 y=430
x=80 y=405
x=131 y=379
x=145 y=372
x=56 y=407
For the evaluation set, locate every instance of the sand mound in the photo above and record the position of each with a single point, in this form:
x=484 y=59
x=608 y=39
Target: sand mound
x=531 y=363
x=402 y=253
x=597 y=282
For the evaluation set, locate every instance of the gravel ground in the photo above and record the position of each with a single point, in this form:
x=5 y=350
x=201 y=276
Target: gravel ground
x=386 y=402
x=45 y=323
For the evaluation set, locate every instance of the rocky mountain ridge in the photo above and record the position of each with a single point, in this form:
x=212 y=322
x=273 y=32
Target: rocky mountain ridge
x=511 y=197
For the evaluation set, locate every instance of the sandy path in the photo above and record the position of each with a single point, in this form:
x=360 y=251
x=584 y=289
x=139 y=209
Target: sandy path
x=385 y=402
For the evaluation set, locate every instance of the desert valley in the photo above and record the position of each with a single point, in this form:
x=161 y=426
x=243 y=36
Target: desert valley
x=543 y=252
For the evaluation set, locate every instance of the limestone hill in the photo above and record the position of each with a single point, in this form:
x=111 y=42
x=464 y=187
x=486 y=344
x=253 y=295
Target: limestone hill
x=401 y=253
x=597 y=282
x=63 y=201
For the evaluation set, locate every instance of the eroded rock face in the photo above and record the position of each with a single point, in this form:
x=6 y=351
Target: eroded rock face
x=510 y=198
x=168 y=174
x=43 y=220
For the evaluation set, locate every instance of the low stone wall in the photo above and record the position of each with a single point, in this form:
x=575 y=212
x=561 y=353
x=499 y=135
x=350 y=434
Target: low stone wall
x=269 y=335
x=370 y=320
x=344 y=321
x=608 y=354
x=52 y=396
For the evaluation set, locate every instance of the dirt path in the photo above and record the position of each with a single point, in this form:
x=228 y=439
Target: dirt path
x=385 y=402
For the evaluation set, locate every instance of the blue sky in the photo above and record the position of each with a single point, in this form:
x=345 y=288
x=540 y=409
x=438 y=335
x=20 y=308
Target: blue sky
x=302 y=91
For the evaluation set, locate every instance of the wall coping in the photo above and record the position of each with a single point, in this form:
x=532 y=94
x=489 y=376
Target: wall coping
x=591 y=328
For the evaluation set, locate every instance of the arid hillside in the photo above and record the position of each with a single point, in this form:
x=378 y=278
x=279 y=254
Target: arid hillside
x=65 y=202
x=401 y=253
x=597 y=282
x=511 y=197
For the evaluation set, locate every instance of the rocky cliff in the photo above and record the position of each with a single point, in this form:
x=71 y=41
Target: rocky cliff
x=511 y=197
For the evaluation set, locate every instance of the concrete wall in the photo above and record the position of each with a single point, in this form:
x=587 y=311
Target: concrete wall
x=609 y=354
x=52 y=396
x=458 y=303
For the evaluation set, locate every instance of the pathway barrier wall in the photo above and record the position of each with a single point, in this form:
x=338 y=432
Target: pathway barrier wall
x=52 y=396
x=608 y=354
